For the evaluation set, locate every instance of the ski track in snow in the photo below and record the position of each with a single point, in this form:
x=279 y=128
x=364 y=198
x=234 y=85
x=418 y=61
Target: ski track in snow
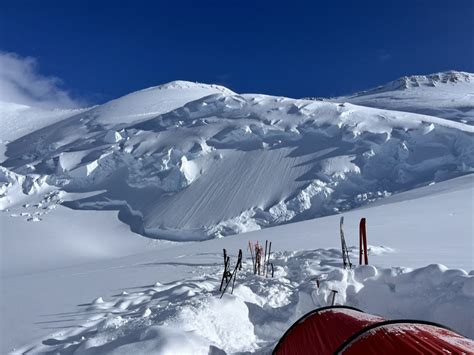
x=187 y=316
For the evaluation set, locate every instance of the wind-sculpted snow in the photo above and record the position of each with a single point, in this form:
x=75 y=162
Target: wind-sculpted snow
x=187 y=316
x=225 y=163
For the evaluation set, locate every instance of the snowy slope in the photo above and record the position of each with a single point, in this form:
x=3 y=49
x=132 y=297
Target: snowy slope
x=18 y=120
x=167 y=299
x=448 y=95
x=149 y=102
x=225 y=163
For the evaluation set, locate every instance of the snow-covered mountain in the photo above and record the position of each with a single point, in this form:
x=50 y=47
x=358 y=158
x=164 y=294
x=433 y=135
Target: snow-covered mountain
x=18 y=120
x=448 y=95
x=186 y=161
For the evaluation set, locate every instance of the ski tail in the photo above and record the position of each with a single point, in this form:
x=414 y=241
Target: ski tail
x=268 y=260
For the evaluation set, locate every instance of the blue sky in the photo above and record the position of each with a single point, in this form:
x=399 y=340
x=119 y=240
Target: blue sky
x=104 y=49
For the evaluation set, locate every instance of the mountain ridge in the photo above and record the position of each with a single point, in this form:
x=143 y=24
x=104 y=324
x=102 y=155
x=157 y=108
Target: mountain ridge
x=448 y=95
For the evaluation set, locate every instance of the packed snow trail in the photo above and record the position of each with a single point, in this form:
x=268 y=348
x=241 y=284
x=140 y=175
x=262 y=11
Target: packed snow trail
x=187 y=316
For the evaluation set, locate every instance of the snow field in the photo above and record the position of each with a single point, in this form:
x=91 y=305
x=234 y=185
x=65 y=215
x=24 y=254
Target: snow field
x=99 y=256
x=187 y=316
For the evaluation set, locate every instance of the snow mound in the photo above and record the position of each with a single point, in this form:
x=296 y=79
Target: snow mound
x=189 y=161
x=188 y=316
x=182 y=84
x=149 y=102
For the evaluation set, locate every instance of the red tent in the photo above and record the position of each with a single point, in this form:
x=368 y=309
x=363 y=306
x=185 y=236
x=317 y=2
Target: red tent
x=342 y=329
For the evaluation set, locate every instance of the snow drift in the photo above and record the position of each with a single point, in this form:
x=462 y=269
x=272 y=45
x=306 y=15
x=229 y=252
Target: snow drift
x=187 y=161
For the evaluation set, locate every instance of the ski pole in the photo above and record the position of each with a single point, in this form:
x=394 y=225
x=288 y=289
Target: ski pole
x=258 y=257
x=225 y=269
x=363 y=242
x=333 y=297
x=366 y=257
x=265 y=257
x=237 y=267
x=251 y=254
x=268 y=261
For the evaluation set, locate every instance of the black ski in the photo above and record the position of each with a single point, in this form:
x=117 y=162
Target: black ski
x=226 y=274
x=265 y=258
x=233 y=276
x=268 y=260
x=258 y=258
x=346 y=261
x=271 y=266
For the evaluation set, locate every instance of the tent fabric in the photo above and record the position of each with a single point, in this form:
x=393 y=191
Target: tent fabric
x=324 y=329
x=347 y=330
x=407 y=337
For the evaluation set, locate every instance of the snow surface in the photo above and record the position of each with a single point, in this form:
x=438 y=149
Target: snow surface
x=447 y=95
x=171 y=289
x=191 y=162
x=19 y=120
x=219 y=163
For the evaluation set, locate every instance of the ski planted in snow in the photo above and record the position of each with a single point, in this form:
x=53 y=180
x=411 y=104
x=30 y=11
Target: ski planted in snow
x=363 y=243
x=233 y=276
x=258 y=258
x=346 y=261
x=253 y=259
x=268 y=263
x=226 y=274
x=265 y=257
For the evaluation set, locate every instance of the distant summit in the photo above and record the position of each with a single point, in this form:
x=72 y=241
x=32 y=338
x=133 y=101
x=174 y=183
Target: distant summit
x=448 y=95
x=431 y=80
x=183 y=84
